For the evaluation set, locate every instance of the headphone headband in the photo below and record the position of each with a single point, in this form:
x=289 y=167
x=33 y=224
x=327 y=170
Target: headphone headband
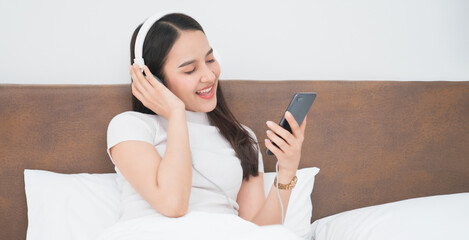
x=142 y=33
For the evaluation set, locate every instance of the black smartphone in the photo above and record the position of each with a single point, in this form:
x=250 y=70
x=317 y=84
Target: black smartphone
x=298 y=107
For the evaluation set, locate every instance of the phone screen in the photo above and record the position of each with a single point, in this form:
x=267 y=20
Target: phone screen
x=298 y=107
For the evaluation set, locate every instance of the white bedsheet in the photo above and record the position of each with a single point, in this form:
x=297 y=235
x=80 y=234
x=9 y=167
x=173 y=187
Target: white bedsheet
x=194 y=225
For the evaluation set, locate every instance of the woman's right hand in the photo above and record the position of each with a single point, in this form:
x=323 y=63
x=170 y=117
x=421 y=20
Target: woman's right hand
x=153 y=94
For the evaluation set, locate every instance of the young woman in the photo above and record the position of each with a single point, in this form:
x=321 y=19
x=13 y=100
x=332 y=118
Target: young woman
x=181 y=149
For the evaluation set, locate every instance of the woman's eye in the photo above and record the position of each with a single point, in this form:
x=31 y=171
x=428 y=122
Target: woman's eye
x=190 y=71
x=211 y=61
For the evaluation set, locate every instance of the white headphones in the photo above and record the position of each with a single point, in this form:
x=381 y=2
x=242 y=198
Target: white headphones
x=142 y=33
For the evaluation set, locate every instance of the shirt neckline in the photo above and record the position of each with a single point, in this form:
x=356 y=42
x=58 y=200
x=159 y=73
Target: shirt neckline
x=197 y=117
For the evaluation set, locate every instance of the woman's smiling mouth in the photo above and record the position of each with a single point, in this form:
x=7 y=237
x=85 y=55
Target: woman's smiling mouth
x=206 y=93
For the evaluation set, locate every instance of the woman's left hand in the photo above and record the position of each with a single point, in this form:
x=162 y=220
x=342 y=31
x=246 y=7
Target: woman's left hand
x=288 y=152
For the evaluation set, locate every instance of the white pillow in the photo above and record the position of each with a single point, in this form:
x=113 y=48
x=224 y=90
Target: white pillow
x=300 y=208
x=69 y=206
x=81 y=206
x=435 y=217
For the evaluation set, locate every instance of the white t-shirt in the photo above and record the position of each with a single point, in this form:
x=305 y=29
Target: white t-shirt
x=212 y=155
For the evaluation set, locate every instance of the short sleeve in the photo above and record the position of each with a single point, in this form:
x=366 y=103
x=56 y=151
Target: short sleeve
x=130 y=125
x=261 y=161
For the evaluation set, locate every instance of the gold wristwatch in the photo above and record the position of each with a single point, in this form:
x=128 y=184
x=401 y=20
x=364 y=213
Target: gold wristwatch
x=289 y=186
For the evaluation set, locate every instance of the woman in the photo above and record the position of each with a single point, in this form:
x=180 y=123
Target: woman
x=181 y=149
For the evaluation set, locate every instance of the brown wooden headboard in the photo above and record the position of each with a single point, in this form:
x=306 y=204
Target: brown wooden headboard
x=374 y=141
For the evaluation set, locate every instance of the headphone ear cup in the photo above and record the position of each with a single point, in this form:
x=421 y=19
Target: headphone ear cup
x=159 y=80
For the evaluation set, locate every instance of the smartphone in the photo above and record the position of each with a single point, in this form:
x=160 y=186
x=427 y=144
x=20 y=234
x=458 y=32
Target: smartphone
x=298 y=107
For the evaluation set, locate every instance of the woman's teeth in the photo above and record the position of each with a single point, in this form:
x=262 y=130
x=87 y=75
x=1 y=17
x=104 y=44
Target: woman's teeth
x=205 y=90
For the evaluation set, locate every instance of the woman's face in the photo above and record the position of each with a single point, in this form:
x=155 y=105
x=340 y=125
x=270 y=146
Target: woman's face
x=191 y=71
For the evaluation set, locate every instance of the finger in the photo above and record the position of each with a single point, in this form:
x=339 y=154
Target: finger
x=272 y=148
x=151 y=79
x=277 y=140
x=141 y=79
x=293 y=124
x=303 y=125
x=286 y=135
x=136 y=82
x=136 y=92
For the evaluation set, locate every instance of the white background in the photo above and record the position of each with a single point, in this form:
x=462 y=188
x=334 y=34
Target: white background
x=87 y=41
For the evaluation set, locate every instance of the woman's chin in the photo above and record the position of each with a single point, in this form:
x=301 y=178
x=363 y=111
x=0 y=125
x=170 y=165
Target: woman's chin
x=205 y=107
x=212 y=106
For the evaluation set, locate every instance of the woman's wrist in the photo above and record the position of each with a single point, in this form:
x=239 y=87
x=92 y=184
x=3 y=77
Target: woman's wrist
x=177 y=112
x=285 y=176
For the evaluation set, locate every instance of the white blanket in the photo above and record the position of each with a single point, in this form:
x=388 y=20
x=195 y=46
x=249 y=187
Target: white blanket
x=194 y=225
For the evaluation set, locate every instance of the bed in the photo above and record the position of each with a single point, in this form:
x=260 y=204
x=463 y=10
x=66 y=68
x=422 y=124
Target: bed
x=375 y=142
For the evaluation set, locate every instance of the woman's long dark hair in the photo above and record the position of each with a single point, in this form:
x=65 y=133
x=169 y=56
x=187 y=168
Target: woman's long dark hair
x=158 y=42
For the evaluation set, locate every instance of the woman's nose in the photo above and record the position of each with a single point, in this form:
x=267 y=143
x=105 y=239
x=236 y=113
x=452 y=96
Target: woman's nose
x=208 y=75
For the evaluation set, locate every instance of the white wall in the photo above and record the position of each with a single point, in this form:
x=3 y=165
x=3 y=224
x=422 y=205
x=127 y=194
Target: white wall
x=87 y=41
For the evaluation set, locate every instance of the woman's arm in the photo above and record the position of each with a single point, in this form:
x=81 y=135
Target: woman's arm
x=254 y=207
x=252 y=204
x=165 y=183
